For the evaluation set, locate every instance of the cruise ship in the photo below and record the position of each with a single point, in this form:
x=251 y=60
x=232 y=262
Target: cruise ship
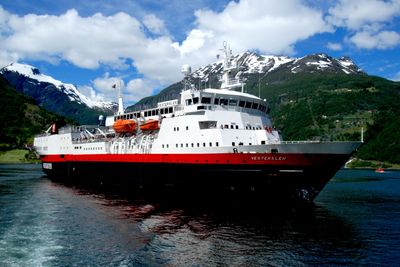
x=210 y=139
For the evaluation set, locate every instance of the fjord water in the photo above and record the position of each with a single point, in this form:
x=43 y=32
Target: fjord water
x=355 y=221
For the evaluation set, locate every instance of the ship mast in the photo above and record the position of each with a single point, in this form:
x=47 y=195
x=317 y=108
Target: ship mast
x=229 y=64
x=120 y=102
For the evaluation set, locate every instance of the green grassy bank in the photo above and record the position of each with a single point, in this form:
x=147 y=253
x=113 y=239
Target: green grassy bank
x=18 y=156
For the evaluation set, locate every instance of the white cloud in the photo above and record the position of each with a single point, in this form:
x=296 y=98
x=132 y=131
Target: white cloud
x=106 y=87
x=155 y=24
x=269 y=26
x=368 y=21
x=396 y=77
x=334 y=46
x=90 y=93
x=136 y=89
x=359 y=14
x=106 y=83
x=381 y=40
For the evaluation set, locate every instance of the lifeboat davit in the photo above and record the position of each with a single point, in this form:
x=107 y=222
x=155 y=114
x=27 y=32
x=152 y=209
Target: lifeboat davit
x=125 y=126
x=150 y=125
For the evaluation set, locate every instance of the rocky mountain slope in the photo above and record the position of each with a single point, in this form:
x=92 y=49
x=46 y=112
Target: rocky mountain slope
x=61 y=98
x=21 y=118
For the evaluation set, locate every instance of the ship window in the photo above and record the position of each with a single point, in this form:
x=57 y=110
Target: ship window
x=187 y=128
x=156 y=111
x=167 y=145
x=195 y=100
x=263 y=142
x=188 y=102
x=223 y=101
x=198 y=144
x=162 y=146
x=232 y=102
x=216 y=144
x=176 y=145
x=204 y=144
x=192 y=145
x=249 y=144
x=177 y=128
x=254 y=106
x=206 y=100
x=248 y=104
x=233 y=143
x=231 y=126
x=201 y=107
x=216 y=101
x=210 y=144
x=237 y=126
x=207 y=124
x=153 y=112
x=161 y=111
x=181 y=145
x=242 y=103
x=187 y=145
x=170 y=110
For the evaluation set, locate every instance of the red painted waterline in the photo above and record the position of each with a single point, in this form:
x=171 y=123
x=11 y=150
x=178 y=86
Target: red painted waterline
x=223 y=158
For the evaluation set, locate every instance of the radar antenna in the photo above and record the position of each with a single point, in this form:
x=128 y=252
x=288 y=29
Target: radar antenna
x=186 y=71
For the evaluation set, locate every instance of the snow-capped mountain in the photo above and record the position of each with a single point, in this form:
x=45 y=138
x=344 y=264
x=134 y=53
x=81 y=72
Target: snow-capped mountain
x=271 y=68
x=251 y=63
x=69 y=89
x=61 y=98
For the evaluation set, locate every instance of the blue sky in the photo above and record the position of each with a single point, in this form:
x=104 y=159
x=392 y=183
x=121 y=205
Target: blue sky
x=143 y=44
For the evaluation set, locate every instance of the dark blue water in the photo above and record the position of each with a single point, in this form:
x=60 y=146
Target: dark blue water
x=355 y=221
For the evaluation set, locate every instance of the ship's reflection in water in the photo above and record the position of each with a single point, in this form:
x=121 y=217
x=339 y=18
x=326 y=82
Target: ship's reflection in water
x=355 y=221
x=201 y=230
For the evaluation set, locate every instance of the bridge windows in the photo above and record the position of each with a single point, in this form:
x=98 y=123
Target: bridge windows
x=233 y=102
x=206 y=100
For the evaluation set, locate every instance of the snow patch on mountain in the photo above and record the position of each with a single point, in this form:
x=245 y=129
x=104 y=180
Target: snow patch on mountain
x=69 y=89
x=252 y=63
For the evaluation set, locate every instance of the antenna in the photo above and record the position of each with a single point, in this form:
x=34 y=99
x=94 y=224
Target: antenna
x=186 y=71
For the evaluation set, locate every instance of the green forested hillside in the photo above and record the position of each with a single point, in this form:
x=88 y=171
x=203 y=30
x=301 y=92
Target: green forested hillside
x=20 y=118
x=335 y=107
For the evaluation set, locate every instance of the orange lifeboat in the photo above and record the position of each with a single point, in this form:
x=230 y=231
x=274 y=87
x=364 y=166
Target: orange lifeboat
x=150 y=125
x=124 y=126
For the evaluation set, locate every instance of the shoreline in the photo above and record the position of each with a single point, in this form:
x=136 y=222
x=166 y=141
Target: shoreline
x=17 y=156
x=356 y=163
x=24 y=156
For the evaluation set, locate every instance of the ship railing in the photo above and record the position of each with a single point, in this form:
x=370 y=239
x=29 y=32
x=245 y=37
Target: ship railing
x=298 y=142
